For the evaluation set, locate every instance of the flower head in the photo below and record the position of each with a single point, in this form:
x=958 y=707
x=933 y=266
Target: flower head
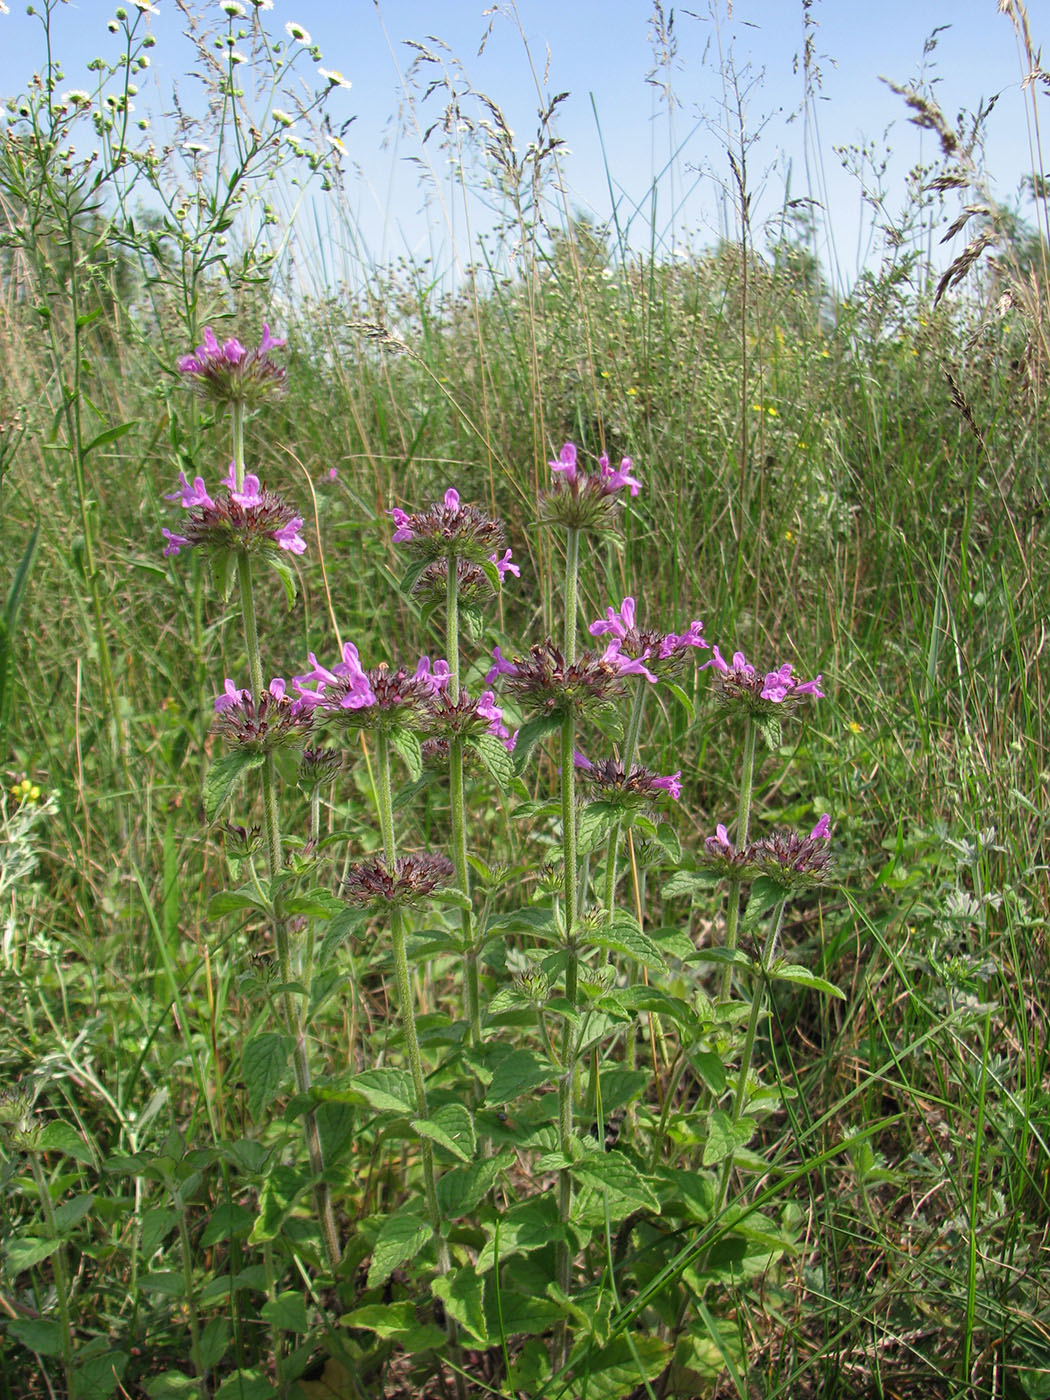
x=272 y=721
x=230 y=373
x=586 y=500
x=792 y=861
x=409 y=880
x=249 y=519
x=449 y=718
x=548 y=684
x=634 y=787
x=762 y=694
x=378 y=698
x=644 y=651
x=449 y=529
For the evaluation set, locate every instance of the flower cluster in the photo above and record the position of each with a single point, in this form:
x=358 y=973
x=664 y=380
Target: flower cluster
x=379 y=697
x=760 y=693
x=550 y=685
x=411 y=879
x=793 y=861
x=634 y=787
x=249 y=518
x=584 y=500
x=272 y=721
x=450 y=529
x=230 y=373
x=448 y=718
x=644 y=651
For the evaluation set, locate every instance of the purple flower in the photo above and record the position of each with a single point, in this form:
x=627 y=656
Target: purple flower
x=719 y=844
x=626 y=665
x=742 y=681
x=452 y=501
x=621 y=477
x=618 y=623
x=231 y=373
x=346 y=676
x=448 y=530
x=671 y=784
x=504 y=566
x=432 y=681
x=175 y=542
x=272 y=721
x=631 y=645
x=403 y=524
x=189 y=496
x=502 y=667
x=822 y=830
x=566 y=463
x=288 y=536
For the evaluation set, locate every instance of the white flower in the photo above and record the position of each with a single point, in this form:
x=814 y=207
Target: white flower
x=284 y=118
x=335 y=142
x=237 y=57
x=296 y=31
x=334 y=77
x=76 y=97
x=263 y=4
x=234 y=9
x=144 y=7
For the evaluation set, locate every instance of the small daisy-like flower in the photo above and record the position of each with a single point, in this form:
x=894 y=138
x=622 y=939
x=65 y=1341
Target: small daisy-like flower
x=274 y=721
x=263 y=4
x=232 y=374
x=762 y=694
x=586 y=500
x=548 y=685
x=637 y=787
x=410 y=880
x=645 y=651
x=251 y=520
x=297 y=32
x=144 y=7
x=282 y=118
x=333 y=77
x=234 y=9
x=76 y=97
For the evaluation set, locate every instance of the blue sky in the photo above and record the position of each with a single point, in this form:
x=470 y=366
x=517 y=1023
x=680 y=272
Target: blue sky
x=618 y=131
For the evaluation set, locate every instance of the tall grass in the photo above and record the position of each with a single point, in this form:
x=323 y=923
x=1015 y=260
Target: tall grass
x=854 y=482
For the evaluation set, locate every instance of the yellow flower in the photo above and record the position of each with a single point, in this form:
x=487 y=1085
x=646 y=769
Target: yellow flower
x=789 y=535
x=632 y=391
x=854 y=727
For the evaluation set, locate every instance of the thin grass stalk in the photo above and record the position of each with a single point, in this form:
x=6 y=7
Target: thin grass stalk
x=58 y=1268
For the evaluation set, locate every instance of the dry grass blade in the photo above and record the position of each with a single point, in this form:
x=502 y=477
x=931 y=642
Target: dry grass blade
x=961 y=402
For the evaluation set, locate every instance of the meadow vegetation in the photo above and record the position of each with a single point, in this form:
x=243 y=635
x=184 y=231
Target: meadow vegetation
x=615 y=1113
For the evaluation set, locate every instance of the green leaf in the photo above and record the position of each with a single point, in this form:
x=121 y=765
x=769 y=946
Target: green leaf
x=526 y=1227
x=287 y=1311
x=620 y=1369
x=38 y=1334
x=70 y=1212
x=624 y=936
x=530 y=734
x=396 y=1322
x=769 y=728
x=724 y=1136
x=596 y=820
x=280 y=1189
x=766 y=894
x=27 y=1252
x=227 y=1220
x=461 y=1188
x=172 y=1385
x=339 y=925
x=215 y=1338
x=408 y=745
x=463 y=1296
x=520 y=1071
x=60 y=1136
x=165 y=1281
x=388 y=1090
x=680 y=695
x=97 y=1377
x=453 y=1127
x=108 y=436
x=691 y=883
x=521 y=1314
x=794 y=972
x=263 y=1062
x=496 y=759
x=401 y=1237
x=280 y=562
x=222 y=776
x=232 y=901
x=612 y=1171
x=246 y=1385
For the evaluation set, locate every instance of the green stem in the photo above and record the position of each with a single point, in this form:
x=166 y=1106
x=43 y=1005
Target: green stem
x=746 y=1054
x=572 y=568
x=743 y=821
x=472 y=989
x=58 y=1266
x=191 y=1302
x=566 y=1081
x=630 y=748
